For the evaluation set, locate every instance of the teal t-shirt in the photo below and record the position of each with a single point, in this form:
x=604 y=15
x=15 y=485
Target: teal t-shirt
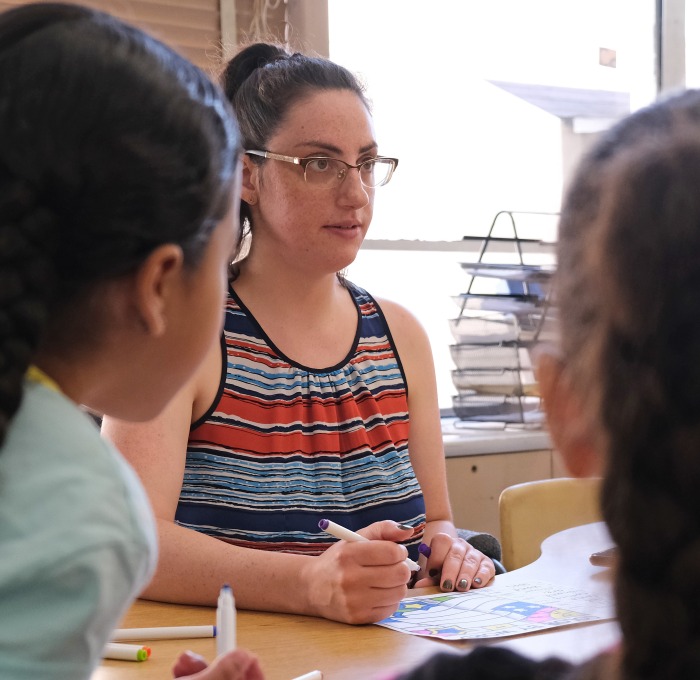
x=77 y=540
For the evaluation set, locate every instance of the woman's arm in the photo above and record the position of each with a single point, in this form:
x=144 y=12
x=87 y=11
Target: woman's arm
x=350 y=582
x=455 y=563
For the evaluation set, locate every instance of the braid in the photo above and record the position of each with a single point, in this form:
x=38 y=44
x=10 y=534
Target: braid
x=130 y=147
x=25 y=273
x=647 y=252
x=628 y=281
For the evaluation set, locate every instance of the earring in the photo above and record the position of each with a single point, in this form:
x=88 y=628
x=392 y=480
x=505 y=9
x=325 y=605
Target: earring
x=252 y=200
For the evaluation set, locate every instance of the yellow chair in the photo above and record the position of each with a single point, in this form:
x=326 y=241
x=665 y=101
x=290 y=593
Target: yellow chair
x=532 y=511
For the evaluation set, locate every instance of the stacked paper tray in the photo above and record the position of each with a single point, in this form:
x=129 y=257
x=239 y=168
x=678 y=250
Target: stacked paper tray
x=484 y=327
x=505 y=313
x=495 y=382
x=498 y=355
x=507 y=409
x=497 y=318
x=503 y=381
x=526 y=273
x=506 y=303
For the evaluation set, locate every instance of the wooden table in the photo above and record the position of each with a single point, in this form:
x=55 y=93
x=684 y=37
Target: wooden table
x=290 y=645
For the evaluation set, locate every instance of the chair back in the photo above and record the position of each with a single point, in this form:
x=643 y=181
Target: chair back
x=532 y=511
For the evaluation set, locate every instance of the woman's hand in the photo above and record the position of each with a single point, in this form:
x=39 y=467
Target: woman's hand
x=360 y=582
x=454 y=564
x=236 y=665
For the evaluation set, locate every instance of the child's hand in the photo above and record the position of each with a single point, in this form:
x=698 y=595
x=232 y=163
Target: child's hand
x=236 y=665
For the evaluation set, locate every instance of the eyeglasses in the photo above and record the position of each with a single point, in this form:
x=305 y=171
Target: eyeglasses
x=329 y=172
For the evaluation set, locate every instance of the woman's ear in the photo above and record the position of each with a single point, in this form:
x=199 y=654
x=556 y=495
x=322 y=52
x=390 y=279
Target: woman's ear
x=250 y=179
x=157 y=280
x=570 y=429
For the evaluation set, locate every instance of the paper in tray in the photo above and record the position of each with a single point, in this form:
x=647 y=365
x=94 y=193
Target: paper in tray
x=512 y=272
x=498 y=407
x=500 y=302
x=499 y=381
x=490 y=356
x=484 y=327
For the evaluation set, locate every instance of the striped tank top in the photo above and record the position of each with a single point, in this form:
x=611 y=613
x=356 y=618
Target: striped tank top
x=284 y=446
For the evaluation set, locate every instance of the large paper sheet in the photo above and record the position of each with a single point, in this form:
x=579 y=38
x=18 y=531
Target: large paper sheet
x=494 y=612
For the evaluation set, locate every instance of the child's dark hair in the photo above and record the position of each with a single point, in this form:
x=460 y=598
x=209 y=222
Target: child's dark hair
x=111 y=144
x=629 y=293
x=264 y=80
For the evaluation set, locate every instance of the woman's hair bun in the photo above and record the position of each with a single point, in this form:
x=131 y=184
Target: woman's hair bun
x=249 y=60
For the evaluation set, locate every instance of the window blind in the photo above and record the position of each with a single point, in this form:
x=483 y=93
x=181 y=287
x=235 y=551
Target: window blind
x=191 y=27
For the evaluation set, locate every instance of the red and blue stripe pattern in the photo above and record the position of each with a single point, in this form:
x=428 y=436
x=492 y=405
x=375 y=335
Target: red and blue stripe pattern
x=285 y=445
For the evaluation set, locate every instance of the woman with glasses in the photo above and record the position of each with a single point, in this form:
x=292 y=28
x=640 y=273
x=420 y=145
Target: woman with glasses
x=320 y=401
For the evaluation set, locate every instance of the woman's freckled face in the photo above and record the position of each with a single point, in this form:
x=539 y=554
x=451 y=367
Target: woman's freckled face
x=316 y=226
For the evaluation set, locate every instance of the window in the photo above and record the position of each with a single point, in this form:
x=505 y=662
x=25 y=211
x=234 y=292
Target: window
x=488 y=106
x=692 y=48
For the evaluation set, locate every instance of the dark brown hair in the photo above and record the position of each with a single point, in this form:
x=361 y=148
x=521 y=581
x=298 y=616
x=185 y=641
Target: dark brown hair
x=111 y=144
x=628 y=288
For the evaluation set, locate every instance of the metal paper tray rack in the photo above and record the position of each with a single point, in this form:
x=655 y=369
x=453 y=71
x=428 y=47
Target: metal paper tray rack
x=494 y=333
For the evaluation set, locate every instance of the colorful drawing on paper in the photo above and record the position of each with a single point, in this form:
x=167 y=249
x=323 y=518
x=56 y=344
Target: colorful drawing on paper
x=498 y=611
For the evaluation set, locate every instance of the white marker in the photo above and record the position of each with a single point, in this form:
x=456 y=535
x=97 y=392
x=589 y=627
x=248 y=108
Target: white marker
x=122 y=652
x=346 y=535
x=225 y=621
x=313 y=675
x=163 y=633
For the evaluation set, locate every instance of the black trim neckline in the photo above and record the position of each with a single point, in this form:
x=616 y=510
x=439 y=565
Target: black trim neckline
x=296 y=364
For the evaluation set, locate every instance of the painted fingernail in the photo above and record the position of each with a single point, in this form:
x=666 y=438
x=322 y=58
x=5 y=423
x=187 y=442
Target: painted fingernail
x=477 y=580
x=433 y=573
x=405 y=527
x=424 y=549
x=447 y=584
x=463 y=584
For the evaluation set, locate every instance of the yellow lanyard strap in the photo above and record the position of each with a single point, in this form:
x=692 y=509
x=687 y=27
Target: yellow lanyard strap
x=35 y=374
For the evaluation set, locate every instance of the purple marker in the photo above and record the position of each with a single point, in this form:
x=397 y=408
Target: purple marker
x=351 y=537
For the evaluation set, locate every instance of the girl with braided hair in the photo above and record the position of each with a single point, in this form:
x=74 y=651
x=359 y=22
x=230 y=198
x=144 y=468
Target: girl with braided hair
x=626 y=383
x=119 y=169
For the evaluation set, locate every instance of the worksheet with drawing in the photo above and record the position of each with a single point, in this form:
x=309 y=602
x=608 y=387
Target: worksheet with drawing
x=494 y=612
